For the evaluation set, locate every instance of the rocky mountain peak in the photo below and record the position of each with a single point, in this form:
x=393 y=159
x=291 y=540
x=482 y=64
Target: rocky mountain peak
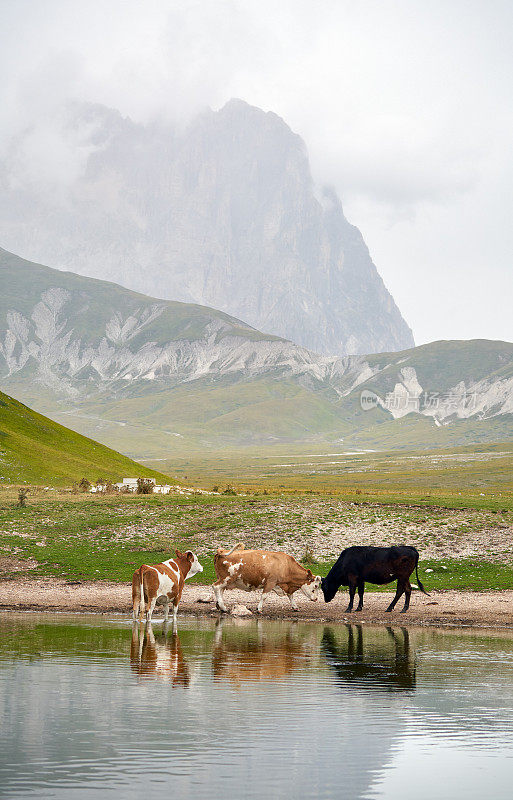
x=225 y=214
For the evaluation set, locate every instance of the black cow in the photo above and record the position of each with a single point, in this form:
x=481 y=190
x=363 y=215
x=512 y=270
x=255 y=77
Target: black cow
x=379 y=565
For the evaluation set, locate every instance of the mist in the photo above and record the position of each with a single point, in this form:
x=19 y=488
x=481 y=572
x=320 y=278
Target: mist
x=405 y=107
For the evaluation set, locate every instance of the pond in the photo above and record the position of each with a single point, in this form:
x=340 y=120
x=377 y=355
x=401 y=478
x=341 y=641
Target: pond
x=92 y=708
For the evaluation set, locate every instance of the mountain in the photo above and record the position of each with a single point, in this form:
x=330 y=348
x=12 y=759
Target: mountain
x=224 y=213
x=151 y=377
x=33 y=449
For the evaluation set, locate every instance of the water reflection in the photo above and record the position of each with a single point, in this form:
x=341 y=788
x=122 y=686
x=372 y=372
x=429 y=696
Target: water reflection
x=381 y=664
x=349 y=712
x=158 y=657
x=255 y=652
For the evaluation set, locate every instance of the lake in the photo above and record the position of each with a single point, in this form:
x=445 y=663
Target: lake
x=92 y=708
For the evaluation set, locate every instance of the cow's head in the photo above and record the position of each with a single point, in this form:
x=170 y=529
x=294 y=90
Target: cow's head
x=328 y=591
x=192 y=558
x=311 y=586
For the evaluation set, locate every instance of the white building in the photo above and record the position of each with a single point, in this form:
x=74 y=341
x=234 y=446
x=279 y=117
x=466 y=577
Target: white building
x=130 y=484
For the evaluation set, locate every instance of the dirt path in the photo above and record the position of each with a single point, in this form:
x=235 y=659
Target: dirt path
x=488 y=609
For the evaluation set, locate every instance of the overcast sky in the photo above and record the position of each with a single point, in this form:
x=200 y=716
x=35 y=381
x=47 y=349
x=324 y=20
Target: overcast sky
x=406 y=108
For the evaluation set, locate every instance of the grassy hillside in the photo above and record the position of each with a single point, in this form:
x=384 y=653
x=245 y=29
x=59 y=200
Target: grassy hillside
x=157 y=379
x=93 y=302
x=33 y=449
x=441 y=365
x=220 y=413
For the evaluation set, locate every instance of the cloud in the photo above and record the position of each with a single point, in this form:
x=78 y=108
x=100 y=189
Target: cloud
x=403 y=104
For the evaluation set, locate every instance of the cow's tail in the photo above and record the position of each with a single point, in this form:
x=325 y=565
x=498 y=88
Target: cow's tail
x=419 y=582
x=221 y=552
x=142 y=604
x=137 y=587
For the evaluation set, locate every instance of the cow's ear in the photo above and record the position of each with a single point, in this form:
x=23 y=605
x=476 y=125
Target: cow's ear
x=309 y=573
x=178 y=554
x=189 y=556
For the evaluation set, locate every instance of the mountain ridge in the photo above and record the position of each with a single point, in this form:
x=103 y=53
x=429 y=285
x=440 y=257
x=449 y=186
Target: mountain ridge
x=225 y=214
x=143 y=374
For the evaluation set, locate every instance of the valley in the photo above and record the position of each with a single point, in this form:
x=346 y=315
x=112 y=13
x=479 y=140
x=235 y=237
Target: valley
x=157 y=379
x=470 y=476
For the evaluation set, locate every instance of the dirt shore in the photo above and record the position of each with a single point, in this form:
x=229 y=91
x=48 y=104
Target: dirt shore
x=451 y=608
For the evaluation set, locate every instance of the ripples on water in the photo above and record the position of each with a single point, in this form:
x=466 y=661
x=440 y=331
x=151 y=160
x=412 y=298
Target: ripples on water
x=92 y=708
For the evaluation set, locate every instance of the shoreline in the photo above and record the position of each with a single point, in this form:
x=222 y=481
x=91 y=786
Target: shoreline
x=442 y=609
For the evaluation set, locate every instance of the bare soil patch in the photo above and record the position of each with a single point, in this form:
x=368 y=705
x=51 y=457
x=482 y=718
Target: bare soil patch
x=450 y=608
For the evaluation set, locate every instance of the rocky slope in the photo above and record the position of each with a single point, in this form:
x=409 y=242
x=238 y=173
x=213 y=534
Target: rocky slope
x=224 y=214
x=135 y=372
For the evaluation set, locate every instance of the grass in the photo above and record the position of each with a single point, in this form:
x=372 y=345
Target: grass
x=107 y=538
x=478 y=476
x=34 y=449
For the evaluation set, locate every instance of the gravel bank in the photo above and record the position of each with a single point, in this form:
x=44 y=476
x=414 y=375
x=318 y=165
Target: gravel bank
x=487 y=609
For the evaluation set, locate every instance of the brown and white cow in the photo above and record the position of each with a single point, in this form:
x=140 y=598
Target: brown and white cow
x=162 y=583
x=264 y=570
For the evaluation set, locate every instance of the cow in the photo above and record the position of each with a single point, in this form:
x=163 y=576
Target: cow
x=263 y=570
x=162 y=583
x=378 y=565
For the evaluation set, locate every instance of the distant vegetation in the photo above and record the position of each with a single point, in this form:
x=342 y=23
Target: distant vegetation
x=477 y=476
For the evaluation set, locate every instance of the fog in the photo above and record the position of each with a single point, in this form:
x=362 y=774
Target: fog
x=405 y=107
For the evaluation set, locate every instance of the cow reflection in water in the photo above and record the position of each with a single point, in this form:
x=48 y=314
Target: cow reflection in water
x=158 y=657
x=376 y=668
x=250 y=652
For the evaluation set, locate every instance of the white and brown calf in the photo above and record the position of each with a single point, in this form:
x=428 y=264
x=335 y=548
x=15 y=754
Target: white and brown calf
x=264 y=570
x=163 y=584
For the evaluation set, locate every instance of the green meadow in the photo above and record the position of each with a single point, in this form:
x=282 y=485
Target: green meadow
x=79 y=537
x=477 y=476
x=36 y=450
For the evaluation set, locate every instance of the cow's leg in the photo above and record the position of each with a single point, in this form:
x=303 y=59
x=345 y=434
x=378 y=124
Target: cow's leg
x=175 y=613
x=135 y=602
x=151 y=607
x=137 y=597
x=352 y=591
x=218 y=595
x=407 y=595
x=293 y=602
x=361 y=589
x=400 y=590
x=261 y=601
x=268 y=586
x=166 y=610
